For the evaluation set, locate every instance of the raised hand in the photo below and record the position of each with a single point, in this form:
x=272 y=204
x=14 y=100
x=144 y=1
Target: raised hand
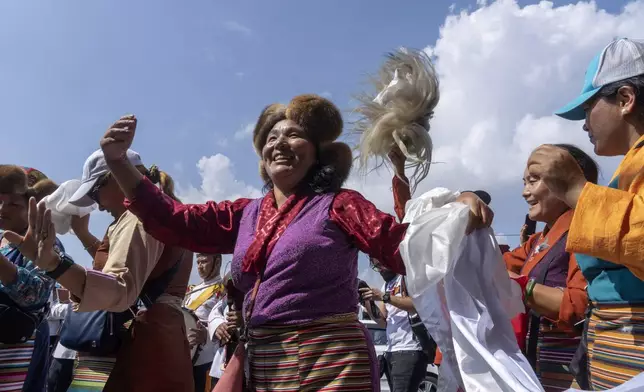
x=38 y=242
x=559 y=171
x=118 y=138
x=398 y=160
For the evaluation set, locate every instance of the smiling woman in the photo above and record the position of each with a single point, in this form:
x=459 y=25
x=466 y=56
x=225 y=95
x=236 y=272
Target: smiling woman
x=553 y=285
x=295 y=250
x=23 y=287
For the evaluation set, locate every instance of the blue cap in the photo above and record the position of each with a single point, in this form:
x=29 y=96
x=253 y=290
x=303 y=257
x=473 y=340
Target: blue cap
x=621 y=59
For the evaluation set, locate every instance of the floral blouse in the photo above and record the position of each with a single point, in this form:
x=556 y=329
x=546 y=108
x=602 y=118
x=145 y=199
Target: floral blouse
x=32 y=287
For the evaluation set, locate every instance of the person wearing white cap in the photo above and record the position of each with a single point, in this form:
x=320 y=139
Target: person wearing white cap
x=154 y=354
x=607 y=233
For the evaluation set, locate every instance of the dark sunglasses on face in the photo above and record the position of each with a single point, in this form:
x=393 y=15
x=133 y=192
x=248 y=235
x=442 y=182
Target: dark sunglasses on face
x=93 y=193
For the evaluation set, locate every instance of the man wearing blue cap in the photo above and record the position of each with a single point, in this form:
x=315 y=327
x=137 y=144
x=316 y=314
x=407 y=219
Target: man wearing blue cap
x=607 y=231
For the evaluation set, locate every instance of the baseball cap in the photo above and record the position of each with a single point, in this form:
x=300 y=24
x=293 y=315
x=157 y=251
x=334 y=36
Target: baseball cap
x=95 y=167
x=621 y=59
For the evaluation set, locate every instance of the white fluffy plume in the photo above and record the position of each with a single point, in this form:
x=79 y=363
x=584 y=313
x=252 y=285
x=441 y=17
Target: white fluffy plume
x=398 y=116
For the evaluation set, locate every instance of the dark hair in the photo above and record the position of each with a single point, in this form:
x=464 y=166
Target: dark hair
x=587 y=164
x=609 y=92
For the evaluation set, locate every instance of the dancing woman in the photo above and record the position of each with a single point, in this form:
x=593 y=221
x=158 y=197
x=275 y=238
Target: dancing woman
x=554 y=287
x=154 y=355
x=606 y=231
x=295 y=250
x=23 y=365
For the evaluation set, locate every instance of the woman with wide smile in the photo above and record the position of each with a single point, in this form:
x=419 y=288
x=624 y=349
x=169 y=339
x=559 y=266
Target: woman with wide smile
x=295 y=250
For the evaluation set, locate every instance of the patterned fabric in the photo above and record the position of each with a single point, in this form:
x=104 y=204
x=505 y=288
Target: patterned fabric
x=14 y=364
x=270 y=226
x=32 y=288
x=615 y=345
x=91 y=373
x=555 y=350
x=321 y=356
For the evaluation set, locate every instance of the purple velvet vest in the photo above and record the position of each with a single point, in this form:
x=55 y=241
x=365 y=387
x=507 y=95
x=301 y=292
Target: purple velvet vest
x=311 y=272
x=556 y=261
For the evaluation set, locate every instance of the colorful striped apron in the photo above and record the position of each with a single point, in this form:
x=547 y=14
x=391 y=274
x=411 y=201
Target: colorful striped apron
x=615 y=345
x=333 y=354
x=555 y=349
x=14 y=364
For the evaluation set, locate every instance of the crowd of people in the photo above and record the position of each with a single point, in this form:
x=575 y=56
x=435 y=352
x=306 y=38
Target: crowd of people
x=286 y=317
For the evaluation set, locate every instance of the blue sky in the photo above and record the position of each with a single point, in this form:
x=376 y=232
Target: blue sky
x=195 y=73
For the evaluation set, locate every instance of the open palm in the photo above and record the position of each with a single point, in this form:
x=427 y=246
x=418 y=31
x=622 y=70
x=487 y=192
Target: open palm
x=37 y=244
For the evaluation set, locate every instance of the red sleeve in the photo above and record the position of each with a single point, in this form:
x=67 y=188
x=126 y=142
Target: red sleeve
x=206 y=228
x=402 y=195
x=371 y=230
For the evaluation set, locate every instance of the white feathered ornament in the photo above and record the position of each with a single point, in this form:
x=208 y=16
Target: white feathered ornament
x=399 y=114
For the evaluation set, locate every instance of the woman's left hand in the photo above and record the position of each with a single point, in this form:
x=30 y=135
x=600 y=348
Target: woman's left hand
x=481 y=215
x=38 y=242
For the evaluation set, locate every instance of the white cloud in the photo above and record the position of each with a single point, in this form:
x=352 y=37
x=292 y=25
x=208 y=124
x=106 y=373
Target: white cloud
x=222 y=142
x=237 y=27
x=326 y=94
x=245 y=131
x=503 y=70
x=218 y=182
x=240 y=75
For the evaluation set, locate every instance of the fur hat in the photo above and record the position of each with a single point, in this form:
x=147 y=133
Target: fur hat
x=23 y=180
x=13 y=179
x=319 y=117
x=323 y=124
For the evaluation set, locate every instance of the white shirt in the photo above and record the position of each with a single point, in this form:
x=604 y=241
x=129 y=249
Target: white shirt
x=399 y=334
x=54 y=323
x=216 y=318
x=202 y=312
x=58 y=312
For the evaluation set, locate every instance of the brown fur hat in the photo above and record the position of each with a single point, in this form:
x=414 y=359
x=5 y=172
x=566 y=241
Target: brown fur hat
x=322 y=122
x=41 y=189
x=13 y=179
x=319 y=117
x=21 y=180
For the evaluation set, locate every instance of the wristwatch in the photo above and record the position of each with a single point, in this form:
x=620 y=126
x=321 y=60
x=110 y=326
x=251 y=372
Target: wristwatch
x=63 y=265
x=386 y=297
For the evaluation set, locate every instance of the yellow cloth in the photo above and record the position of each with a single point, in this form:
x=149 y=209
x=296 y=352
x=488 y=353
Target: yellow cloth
x=203 y=297
x=609 y=223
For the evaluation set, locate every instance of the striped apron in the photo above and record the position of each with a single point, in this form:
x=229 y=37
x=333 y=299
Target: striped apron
x=14 y=364
x=555 y=349
x=332 y=354
x=615 y=345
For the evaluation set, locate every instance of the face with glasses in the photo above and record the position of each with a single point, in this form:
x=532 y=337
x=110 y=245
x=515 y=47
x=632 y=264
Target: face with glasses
x=386 y=274
x=107 y=194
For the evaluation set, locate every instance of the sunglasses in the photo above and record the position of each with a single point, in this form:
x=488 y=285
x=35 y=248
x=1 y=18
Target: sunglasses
x=101 y=182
